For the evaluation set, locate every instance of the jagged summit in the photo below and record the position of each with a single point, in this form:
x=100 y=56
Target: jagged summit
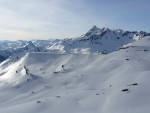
x=94 y=28
x=105 y=30
x=98 y=40
x=30 y=45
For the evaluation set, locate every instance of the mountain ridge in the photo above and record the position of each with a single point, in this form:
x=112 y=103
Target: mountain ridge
x=95 y=41
x=98 y=40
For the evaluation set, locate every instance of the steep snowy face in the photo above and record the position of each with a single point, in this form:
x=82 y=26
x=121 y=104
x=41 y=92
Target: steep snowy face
x=30 y=45
x=98 y=40
x=4 y=54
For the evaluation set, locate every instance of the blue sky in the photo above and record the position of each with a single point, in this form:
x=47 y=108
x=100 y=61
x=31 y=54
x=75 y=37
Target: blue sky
x=45 y=19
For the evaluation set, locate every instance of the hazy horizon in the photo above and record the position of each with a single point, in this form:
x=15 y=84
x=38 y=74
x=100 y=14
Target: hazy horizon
x=47 y=19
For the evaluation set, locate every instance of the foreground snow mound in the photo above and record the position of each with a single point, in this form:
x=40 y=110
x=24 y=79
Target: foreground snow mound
x=76 y=83
x=98 y=40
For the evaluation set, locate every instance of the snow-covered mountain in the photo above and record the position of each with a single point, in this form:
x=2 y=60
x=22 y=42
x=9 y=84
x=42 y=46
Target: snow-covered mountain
x=98 y=40
x=11 y=45
x=8 y=48
x=77 y=83
x=29 y=48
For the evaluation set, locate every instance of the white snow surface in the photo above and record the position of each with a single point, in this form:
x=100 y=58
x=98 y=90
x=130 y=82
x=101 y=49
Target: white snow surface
x=38 y=82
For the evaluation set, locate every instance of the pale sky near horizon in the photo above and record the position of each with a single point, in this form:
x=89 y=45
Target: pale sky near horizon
x=45 y=19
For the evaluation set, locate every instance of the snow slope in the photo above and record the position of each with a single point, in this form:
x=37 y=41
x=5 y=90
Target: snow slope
x=98 y=40
x=86 y=83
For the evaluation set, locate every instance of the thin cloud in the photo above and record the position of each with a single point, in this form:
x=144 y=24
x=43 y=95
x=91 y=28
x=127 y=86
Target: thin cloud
x=28 y=19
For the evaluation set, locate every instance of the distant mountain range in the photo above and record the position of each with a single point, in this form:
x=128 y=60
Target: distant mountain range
x=96 y=40
x=7 y=48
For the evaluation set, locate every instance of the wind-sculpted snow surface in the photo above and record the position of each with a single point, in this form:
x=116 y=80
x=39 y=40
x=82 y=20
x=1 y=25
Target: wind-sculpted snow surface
x=77 y=83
